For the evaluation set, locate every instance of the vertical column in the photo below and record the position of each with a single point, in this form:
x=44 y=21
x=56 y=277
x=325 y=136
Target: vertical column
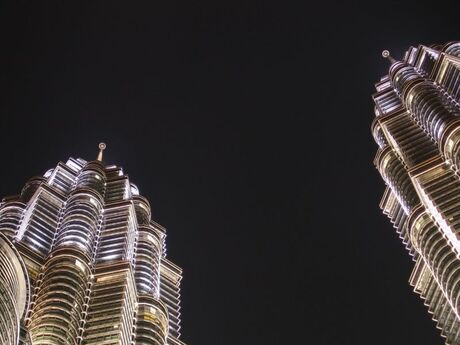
x=152 y=317
x=438 y=256
x=152 y=322
x=171 y=276
x=149 y=248
x=40 y=221
x=58 y=309
x=395 y=175
x=148 y=255
x=13 y=292
x=112 y=306
x=113 y=299
x=60 y=306
x=11 y=212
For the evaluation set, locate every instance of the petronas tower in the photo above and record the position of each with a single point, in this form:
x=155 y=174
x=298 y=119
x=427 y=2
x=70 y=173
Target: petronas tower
x=82 y=263
x=417 y=129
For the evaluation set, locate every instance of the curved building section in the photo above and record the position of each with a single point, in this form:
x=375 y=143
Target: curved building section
x=117 y=238
x=377 y=132
x=148 y=258
x=92 y=177
x=11 y=212
x=419 y=160
x=31 y=187
x=429 y=108
x=439 y=256
x=13 y=292
x=60 y=303
x=442 y=312
x=80 y=222
x=452 y=48
x=392 y=208
x=407 y=139
x=152 y=322
x=39 y=224
x=423 y=100
x=112 y=306
x=170 y=279
x=397 y=178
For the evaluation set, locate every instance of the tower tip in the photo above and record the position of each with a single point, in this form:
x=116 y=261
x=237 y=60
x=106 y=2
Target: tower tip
x=386 y=55
x=102 y=147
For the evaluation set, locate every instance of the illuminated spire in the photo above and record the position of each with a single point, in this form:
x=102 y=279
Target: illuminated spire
x=102 y=147
x=386 y=55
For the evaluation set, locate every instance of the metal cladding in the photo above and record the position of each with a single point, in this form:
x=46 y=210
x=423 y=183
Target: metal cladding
x=417 y=129
x=13 y=292
x=79 y=243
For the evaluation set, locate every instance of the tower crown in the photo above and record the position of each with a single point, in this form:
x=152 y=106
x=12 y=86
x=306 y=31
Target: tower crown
x=93 y=258
x=417 y=128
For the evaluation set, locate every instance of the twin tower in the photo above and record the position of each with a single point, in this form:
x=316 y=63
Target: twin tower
x=417 y=129
x=82 y=263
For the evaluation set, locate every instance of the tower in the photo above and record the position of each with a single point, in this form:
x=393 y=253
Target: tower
x=88 y=266
x=417 y=129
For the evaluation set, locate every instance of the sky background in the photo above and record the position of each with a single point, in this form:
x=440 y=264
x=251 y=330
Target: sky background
x=247 y=126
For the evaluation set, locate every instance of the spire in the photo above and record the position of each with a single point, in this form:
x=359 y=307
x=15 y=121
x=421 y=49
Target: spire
x=102 y=147
x=386 y=55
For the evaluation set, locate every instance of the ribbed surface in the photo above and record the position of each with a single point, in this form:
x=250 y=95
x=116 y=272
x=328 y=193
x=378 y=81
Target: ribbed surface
x=152 y=322
x=418 y=158
x=395 y=175
x=12 y=293
x=444 y=267
x=442 y=313
x=453 y=49
x=41 y=217
x=111 y=309
x=430 y=109
x=410 y=141
x=80 y=222
x=95 y=259
x=386 y=101
x=59 y=304
x=170 y=294
x=378 y=134
x=148 y=261
x=398 y=217
x=118 y=234
x=11 y=213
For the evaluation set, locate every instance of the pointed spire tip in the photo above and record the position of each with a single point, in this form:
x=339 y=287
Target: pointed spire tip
x=102 y=147
x=386 y=55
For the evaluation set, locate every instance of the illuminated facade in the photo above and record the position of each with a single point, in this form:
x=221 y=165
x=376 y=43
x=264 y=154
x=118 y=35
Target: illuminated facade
x=82 y=263
x=417 y=129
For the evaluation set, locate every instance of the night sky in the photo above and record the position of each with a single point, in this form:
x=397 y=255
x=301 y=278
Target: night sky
x=247 y=126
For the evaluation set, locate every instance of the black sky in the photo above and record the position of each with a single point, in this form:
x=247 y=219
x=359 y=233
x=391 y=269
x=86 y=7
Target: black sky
x=247 y=126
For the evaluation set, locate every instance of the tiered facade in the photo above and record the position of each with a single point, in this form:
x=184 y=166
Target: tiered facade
x=85 y=263
x=417 y=129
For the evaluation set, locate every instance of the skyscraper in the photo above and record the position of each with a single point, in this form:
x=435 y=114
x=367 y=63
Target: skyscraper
x=417 y=129
x=82 y=263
